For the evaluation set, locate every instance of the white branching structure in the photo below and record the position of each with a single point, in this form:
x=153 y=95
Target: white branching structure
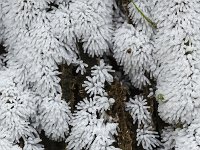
x=137 y=19
x=38 y=38
x=133 y=50
x=54 y=116
x=160 y=39
x=92 y=128
x=138 y=110
x=177 y=54
x=1 y=23
x=88 y=130
x=91 y=21
x=133 y=47
x=33 y=94
x=178 y=74
x=100 y=74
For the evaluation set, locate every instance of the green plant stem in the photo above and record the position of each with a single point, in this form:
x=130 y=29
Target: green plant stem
x=153 y=24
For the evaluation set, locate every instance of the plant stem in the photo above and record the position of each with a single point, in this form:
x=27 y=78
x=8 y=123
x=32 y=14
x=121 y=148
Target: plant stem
x=153 y=24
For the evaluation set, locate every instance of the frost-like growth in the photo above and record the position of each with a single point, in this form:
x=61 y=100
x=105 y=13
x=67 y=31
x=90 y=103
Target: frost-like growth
x=93 y=86
x=133 y=50
x=5 y=142
x=32 y=144
x=16 y=109
x=92 y=23
x=137 y=19
x=34 y=51
x=47 y=49
x=81 y=66
x=1 y=23
x=147 y=138
x=54 y=116
x=18 y=17
x=189 y=136
x=104 y=136
x=168 y=138
x=138 y=109
x=97 y=135
x=182 y=139
x=177 y=53
x=90 y=130
x=186 y=141
x=102 y=72
x=40 y=43
x=59 y=2
x=132 y=43
x=176 y=107
x=99 y=104
x=6 y=79
x=178 y=72
x=63 y=31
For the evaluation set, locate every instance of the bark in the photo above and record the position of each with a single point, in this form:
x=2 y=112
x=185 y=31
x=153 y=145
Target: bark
x=126 y=138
